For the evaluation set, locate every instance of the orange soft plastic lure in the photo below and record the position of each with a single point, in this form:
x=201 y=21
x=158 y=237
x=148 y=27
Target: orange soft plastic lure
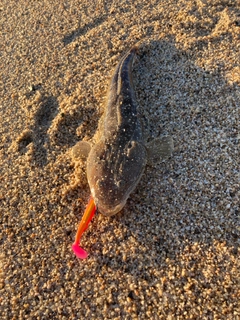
x=87 y=217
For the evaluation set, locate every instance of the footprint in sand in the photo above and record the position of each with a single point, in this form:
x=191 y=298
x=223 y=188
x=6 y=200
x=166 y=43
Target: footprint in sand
x=51 y=126
x=33 y=140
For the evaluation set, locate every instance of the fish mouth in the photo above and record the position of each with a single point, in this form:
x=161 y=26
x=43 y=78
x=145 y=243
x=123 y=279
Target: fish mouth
x=108 y=210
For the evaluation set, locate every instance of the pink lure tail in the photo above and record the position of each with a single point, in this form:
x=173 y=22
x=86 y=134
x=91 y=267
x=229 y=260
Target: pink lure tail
x=79 y=252
x=87 y=217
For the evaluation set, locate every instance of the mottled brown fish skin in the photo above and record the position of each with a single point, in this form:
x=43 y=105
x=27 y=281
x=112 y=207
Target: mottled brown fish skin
x=116 y=163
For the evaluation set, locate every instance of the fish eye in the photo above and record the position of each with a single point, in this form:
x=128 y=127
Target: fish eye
x=100 y=184
x=120 y=183
x=131 y=144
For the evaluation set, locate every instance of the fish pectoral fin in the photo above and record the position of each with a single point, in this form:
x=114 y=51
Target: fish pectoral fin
x=81 y=150
x=159 y=149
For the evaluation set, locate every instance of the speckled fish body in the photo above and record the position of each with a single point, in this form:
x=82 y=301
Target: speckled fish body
x=116 y=162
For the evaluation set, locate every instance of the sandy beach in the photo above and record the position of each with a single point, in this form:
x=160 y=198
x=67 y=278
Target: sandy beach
x=173 y=251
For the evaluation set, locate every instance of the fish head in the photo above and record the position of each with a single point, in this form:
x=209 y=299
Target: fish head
x=113 y=173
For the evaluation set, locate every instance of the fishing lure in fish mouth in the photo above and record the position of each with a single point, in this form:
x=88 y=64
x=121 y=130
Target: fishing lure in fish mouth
x=87 y=217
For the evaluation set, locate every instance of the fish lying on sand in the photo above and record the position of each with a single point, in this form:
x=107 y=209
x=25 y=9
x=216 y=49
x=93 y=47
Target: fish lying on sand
x=117 y=161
